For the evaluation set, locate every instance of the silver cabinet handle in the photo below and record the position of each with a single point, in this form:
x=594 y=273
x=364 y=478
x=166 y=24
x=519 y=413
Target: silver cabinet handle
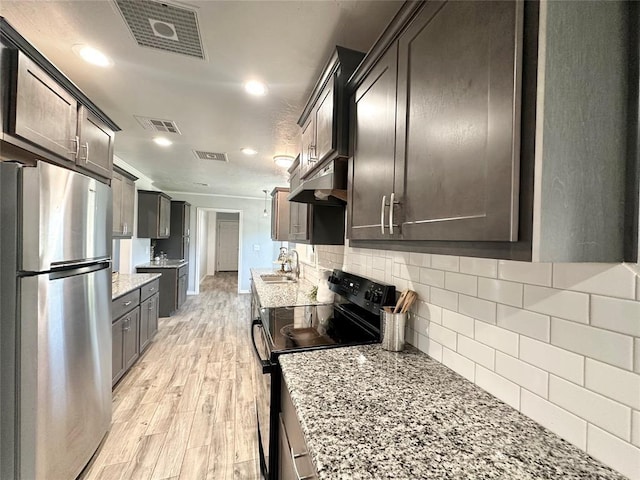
x=152 y=289
x=126 y=304
x=391 y=213
x=295 y=466
x=384 y=200
x=127 y=322
x=85 y=145
x=76 y=142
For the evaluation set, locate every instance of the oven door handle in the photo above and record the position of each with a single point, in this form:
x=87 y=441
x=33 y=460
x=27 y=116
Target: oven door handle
x=266 y=365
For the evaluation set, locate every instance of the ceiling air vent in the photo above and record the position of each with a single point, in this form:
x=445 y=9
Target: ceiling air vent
x=163 y=26
x=158 y=125
x=218 y=157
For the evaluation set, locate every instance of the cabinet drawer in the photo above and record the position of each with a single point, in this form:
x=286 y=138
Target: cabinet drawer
x=184 y=270
x=149 y=289
x=297 y=451
x=124 y=304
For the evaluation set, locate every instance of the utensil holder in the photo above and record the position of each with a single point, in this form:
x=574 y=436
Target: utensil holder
x=392 y=330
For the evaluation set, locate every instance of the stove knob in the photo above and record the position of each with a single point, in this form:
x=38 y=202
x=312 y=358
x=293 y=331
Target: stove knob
x=367 y=295
x=376 y=297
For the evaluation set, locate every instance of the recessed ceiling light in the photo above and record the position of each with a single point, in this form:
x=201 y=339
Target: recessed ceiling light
x=163 y=142
x=248 y=151
x=254 y=87
x=284 y=161
x=93 y=56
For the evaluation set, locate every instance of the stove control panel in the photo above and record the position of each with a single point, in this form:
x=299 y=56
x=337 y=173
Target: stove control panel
x=363 y=292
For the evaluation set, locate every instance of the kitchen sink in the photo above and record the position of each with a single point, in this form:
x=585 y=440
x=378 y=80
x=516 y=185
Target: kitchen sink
x=270 y=278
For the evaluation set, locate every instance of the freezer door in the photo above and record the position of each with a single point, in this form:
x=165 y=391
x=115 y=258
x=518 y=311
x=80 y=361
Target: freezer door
x=65 y=370
x=66 y=218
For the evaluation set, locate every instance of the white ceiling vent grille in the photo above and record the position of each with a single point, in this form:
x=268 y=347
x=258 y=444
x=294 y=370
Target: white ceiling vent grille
x=158 y=125
x=163 y=26
x=218 y=157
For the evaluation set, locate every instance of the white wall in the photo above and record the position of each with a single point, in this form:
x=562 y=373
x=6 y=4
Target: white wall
x=256 y=231
x=558 y=342
x=212 y=239
x=203 y=240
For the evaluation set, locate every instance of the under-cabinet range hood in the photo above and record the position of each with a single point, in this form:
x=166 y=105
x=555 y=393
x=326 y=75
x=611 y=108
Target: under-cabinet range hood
x=328 y=186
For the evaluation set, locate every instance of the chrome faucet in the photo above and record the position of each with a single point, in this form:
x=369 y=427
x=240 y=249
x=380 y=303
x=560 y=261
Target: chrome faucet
x=297 y=270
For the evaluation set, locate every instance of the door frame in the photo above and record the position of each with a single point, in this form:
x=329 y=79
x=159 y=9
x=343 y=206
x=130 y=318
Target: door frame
x=217 y=254
x=200 y=226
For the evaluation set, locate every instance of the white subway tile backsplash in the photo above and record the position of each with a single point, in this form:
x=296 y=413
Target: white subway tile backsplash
x=445 y=262
x=476 y=351
x=594 y=408
x=635 y=428
x=614 y=280
x=419 y=324
x=379 y=263
x=477 y=308
x=525 y=375
x=434 y=278
x=559 y=303
x=444 y=298
x=500 y=291
x=638 y=288
x=552 y=359
x=498 y=386
x=613 y=382
x=616 y=314
x=410 y=272
x=612 y=451
x=610 y=347
x=496 y=337
x=458 y=322
x=459 y=364
x=636 y=361
x=525 y=272
x=527 y=323
x=482 y=267
x=443 y=336
x=423 y=291
x=420 y=259
x=461 y=283
x=568 y=426
x=431 y=312
x=434 y=350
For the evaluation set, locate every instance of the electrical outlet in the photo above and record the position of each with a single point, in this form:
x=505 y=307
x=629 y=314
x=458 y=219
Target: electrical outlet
x=256 y=247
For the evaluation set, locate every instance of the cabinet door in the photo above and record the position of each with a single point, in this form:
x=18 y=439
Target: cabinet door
x=131 y=328
x=458 y=122
x=128 y=204
x=307 y=155
x=164 y=218
x=186 y=228
x=285 y=462
x=325 y=143
x=96 y=144
x=153 y=315
x=146 y=308
x=182 y=290
x=117 y=355
x=46 y=114
x=117 y=183
x=372 y=169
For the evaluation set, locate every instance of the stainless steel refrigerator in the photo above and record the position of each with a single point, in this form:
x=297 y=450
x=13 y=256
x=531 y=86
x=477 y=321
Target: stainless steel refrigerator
x=55 y=329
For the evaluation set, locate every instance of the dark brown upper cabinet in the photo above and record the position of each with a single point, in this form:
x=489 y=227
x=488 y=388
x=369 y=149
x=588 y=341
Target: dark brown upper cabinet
x=325 y=119
x=298 y=229
x=123 y=190
x=279 y=214
x=498 y=129
x=45 y=116
x=154 y=214
x=177 y=245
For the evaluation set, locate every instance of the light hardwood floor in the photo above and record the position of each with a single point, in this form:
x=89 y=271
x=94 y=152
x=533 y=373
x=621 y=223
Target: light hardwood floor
x=186 y=409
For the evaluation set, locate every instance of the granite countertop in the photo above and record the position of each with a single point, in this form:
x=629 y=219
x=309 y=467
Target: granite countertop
x=164 y=264
x=282 y=294
x=372 y=414
x=125 y=283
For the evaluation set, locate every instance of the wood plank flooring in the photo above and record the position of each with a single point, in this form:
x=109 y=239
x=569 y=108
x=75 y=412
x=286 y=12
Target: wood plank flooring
x=186 y=409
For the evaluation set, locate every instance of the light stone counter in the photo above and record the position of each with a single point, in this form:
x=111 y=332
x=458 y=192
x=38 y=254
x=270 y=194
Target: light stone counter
x=125 y=283
x=274 y=295
x=372 y=414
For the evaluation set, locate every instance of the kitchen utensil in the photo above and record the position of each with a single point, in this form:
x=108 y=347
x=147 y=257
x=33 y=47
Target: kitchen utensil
x=403 y=295
x=392 y=327
x=408 y=301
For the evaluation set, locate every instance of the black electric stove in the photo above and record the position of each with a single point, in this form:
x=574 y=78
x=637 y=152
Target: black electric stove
x=353 y=319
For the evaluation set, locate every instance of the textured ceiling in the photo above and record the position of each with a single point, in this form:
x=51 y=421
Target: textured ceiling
x=283 y=43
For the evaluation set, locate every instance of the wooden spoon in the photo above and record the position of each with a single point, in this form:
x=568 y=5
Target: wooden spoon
x=401 y=300
x=408 y=301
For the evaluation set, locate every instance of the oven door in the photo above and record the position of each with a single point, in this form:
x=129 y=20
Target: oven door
x=263 y=370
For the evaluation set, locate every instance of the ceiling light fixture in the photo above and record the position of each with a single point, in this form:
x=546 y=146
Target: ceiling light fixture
x=248 y=151
x=254 y=87
x=92 y=56
x=264 y=212
x=284 y=161
x=163 y=142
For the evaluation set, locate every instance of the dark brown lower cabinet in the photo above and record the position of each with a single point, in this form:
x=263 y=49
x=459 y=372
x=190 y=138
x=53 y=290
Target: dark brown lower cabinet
x=173 y=285
x=149 y=311
x=125 y=349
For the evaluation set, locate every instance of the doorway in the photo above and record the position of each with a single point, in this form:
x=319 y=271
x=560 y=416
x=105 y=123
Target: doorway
x=227 y=243
x=219 y=243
